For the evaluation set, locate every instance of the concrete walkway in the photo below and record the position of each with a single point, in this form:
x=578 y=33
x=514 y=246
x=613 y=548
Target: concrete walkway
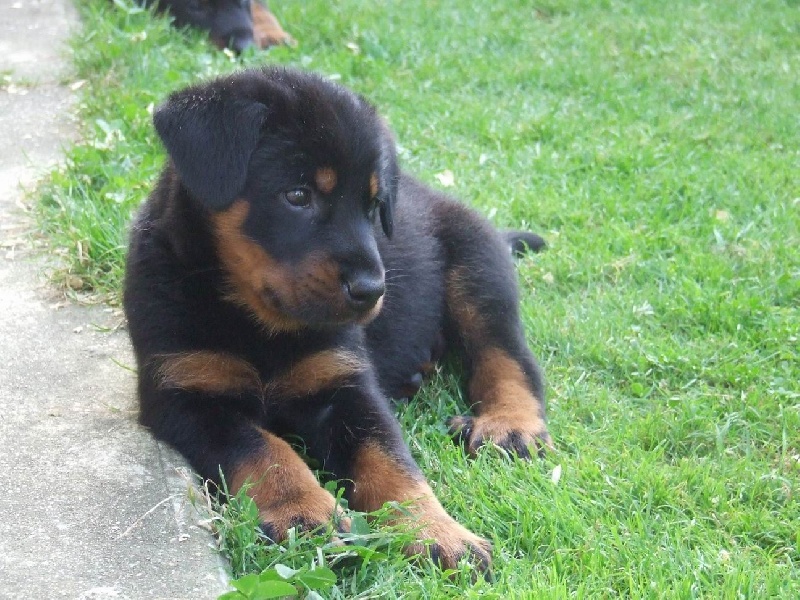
x=93 y=507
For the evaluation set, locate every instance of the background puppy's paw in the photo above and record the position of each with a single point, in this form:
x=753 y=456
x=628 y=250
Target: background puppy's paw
x=520 y=436
x=266 y=29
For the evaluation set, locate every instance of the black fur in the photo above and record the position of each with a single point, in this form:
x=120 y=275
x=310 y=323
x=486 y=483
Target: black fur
x=522 y=242
x=227 y=128
x=228 y=22
x=233 y=24
x=252 y=140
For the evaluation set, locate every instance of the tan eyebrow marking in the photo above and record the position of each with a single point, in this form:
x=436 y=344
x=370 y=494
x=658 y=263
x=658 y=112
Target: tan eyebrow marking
x=325 y=179
x=373 y=185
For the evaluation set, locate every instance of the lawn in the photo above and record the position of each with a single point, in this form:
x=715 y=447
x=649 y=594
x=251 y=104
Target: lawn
x=655 y=146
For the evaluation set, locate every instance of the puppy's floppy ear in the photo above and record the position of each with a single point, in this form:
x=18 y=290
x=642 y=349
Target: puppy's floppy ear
x=389 y=174
x=210 y=138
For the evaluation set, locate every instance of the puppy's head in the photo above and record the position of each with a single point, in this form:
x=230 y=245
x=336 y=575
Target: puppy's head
x=297 y=177
x=228 y=22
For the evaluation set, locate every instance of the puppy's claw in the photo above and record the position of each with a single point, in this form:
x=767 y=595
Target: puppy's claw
x=517 y=438
x=460 y=429
x=476 y=555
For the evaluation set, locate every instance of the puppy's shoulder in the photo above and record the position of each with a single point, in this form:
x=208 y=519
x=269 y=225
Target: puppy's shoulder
x=170 y=227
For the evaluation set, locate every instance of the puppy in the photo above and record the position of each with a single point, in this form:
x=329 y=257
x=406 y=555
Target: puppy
x=234 y=24
x=285 y=278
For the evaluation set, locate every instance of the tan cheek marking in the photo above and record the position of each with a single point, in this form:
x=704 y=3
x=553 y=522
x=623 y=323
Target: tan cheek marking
x=206 y=371
x=325 y=179
x=498 y=387
x=250 y=269
x=282 y=486
x=318 y=372
x=373 y=185
x=323 y=274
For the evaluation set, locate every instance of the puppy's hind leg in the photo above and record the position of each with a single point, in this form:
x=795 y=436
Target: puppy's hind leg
x=505 y=386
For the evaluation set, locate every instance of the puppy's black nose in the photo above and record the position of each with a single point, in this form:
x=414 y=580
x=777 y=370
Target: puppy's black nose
x=364 y=291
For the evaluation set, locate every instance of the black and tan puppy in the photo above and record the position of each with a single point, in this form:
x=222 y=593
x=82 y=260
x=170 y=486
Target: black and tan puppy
x=234 y=24
x=285 y=279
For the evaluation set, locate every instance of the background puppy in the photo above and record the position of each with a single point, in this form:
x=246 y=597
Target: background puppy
x=285 y=278
x=234 y=24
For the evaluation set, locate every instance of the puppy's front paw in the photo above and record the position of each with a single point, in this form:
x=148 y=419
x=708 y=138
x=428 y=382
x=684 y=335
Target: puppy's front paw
x=312 y=512
x=448 y=543
x=266 y=37
x=511 y=432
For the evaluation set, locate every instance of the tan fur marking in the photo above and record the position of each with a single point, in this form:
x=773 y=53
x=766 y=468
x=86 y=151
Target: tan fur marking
x=321 y=371
x=283 y=487
x=373 y=312
x=250 y=269
x=266 y=29
x=373 y=185
x=470 y=322
x=323 y=277
x=325 y=179
x=498 y=389
x=379 y=478
x=502 y=398
x=272 y=291
x=206 y=371
x=427 y=368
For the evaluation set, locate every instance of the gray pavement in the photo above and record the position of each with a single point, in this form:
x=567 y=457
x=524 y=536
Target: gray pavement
x=94 y=508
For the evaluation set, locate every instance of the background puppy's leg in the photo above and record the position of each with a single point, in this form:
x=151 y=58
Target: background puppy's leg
x=505 y=384
x=198 y=403
x=352 y=432
x=266 y=29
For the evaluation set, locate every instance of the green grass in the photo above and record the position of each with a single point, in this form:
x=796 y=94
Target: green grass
x=655 y=145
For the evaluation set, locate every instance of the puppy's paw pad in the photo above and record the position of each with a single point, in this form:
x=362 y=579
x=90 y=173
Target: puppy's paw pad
x=520 y=437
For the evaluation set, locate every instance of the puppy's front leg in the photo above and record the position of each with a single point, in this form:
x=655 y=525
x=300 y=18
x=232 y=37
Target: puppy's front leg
x=380 y=475
x=349 y=428
x=205 y=405
x=285 y=490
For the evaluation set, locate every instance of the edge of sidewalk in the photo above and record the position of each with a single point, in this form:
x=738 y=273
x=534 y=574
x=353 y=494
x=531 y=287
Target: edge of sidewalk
x=97 y=508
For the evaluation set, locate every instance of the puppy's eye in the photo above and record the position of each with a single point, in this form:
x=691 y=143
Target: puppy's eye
x=300 y=197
